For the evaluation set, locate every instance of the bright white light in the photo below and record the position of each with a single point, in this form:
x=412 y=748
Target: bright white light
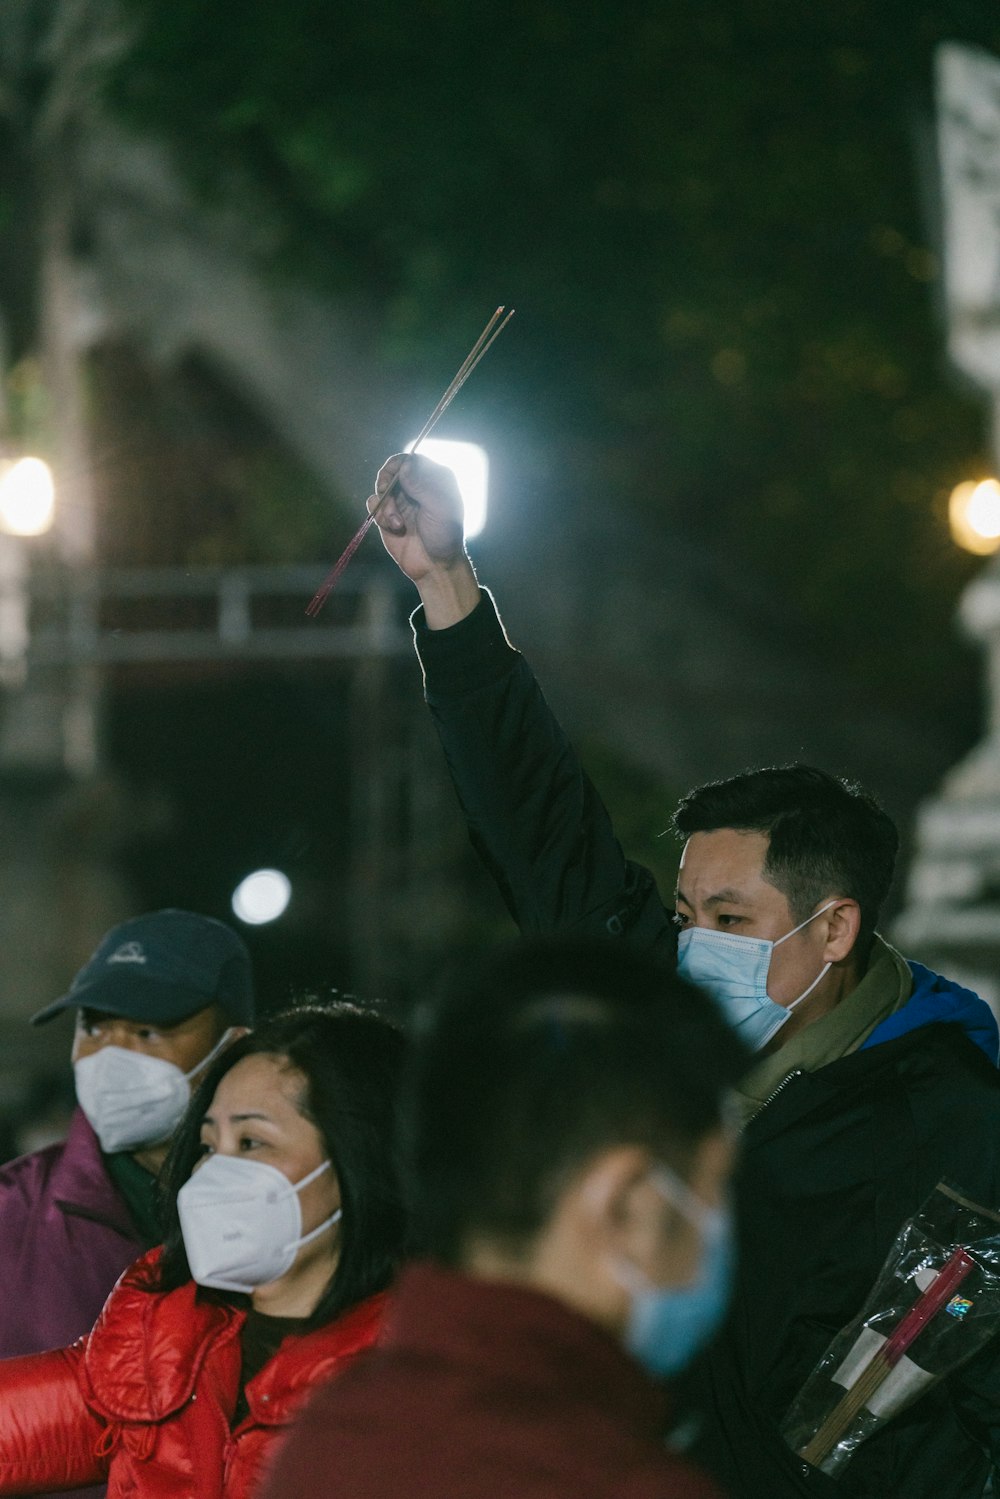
x=27 y=497
x=984 y=509
x=471 y=467
x=974 y=516
x=262 y=896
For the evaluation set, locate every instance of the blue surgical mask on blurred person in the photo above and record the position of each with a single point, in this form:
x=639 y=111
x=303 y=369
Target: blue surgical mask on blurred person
x=669 y=1325
x=242 y=1222
x=132 y=1099
x=734 y=970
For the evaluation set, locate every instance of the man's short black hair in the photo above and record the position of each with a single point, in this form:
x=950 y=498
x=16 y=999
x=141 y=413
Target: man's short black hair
x=826 y=836
x=553 y=1051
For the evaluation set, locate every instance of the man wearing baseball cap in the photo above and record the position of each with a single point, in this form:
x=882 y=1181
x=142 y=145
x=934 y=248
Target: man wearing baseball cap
x=159 y=998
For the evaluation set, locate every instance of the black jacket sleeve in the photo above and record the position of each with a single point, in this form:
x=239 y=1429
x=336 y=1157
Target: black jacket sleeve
x=533 y=814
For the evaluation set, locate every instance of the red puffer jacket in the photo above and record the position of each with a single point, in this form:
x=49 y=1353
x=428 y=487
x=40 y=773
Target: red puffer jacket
x=146 y=1399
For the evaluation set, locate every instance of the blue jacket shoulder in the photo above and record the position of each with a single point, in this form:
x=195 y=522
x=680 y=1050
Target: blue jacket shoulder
x=937 y=1000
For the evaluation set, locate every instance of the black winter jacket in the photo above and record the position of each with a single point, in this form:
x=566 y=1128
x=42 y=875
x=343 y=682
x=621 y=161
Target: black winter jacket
x=831 y=1166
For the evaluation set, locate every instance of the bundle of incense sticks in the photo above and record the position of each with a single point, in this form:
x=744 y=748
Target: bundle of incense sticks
x=840 y=1419
x=488 y=336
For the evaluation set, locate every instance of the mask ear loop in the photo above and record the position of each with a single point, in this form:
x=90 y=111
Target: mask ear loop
x=806 y=992
x=824 y=970
x=674 y=1190
x=314 y=1233
x=677 y=1192
x=808 y=919
x=219 y=1046
x=320 y=1228
x=323 y=1166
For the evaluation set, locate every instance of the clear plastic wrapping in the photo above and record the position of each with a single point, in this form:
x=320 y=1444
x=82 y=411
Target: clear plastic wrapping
x=935 y=1303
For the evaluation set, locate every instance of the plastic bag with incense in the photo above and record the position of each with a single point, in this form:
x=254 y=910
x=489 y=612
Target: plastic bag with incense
x=936 y=1302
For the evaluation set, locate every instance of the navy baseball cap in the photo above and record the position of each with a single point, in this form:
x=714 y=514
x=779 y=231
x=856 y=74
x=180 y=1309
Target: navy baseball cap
x=161 y=968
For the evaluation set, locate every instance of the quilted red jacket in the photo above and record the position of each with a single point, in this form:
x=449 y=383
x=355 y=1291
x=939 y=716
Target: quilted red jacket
x=146 y=1399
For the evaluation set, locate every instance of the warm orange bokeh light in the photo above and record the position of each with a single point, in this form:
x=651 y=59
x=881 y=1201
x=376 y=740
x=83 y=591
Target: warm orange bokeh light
x=974 y=516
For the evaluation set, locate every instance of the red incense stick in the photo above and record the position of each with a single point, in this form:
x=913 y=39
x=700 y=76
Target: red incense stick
x=908 y=1329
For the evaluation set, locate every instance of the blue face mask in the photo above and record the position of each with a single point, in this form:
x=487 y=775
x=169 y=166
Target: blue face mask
x=669 y=1325
x=734 y=971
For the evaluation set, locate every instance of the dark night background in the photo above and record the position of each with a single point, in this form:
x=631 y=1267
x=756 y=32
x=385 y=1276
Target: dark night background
x=722 y=426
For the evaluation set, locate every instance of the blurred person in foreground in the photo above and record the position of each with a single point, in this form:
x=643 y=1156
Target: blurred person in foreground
x=162 y=995
x=569 y=1163
x=873 y=1078
x=284 y=1224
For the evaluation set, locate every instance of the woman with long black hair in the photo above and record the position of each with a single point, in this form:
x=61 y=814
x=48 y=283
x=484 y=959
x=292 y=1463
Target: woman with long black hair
x=284 y=1225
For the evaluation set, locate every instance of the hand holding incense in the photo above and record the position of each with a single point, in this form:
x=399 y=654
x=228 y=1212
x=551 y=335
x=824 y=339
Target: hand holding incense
x=482 y=344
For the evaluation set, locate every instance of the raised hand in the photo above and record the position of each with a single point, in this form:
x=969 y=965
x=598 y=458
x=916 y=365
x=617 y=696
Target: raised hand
x=418 y=510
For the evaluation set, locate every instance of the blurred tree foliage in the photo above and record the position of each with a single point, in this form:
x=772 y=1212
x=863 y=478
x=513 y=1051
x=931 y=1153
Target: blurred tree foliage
x=715 y=219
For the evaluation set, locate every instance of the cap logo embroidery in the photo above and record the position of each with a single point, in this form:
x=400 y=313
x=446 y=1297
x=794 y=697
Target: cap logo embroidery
x=129 y=952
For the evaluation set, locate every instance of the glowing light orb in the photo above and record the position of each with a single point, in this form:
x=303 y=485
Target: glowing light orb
x=974 y=516
x=262 y=896
x=27 y=497
x=471 y=467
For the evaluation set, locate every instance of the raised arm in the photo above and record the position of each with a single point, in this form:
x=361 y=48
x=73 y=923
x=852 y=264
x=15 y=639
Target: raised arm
x=533 y=814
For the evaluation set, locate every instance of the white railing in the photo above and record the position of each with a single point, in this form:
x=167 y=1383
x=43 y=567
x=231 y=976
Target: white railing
x=176 y=614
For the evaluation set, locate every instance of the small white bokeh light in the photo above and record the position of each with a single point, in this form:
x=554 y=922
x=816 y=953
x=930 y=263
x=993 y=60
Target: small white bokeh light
x=262 y=896
x=27 y=497
x=471 y=467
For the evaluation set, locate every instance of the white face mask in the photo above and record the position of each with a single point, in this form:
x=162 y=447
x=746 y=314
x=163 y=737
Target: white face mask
x=734 y=970
x=132 y=1099
x=242 y=1222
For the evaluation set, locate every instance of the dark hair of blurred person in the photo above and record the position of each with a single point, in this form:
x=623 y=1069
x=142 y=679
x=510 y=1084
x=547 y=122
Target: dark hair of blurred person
x=555 y=1053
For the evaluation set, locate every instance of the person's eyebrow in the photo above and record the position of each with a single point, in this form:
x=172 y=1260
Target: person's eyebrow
x=237 y=1118
x=728 y=897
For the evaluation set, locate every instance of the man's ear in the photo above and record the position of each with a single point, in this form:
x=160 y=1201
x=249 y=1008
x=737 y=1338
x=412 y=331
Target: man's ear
x=621 y=1209
x=843 y=924
x=605 y=1187
x=589 y=1234
x=634 y=1222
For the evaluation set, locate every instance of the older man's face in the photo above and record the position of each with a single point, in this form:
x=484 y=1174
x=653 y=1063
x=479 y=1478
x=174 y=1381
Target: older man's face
x=185 y=1044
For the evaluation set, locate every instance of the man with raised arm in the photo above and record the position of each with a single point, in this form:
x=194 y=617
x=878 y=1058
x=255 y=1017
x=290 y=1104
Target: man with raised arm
x=874 y=1078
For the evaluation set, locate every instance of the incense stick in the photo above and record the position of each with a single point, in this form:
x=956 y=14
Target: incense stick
x=840 y=1419
x=482 y=344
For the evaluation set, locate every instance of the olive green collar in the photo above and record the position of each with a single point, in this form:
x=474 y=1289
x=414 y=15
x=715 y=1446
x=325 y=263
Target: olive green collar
x=886 y=986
